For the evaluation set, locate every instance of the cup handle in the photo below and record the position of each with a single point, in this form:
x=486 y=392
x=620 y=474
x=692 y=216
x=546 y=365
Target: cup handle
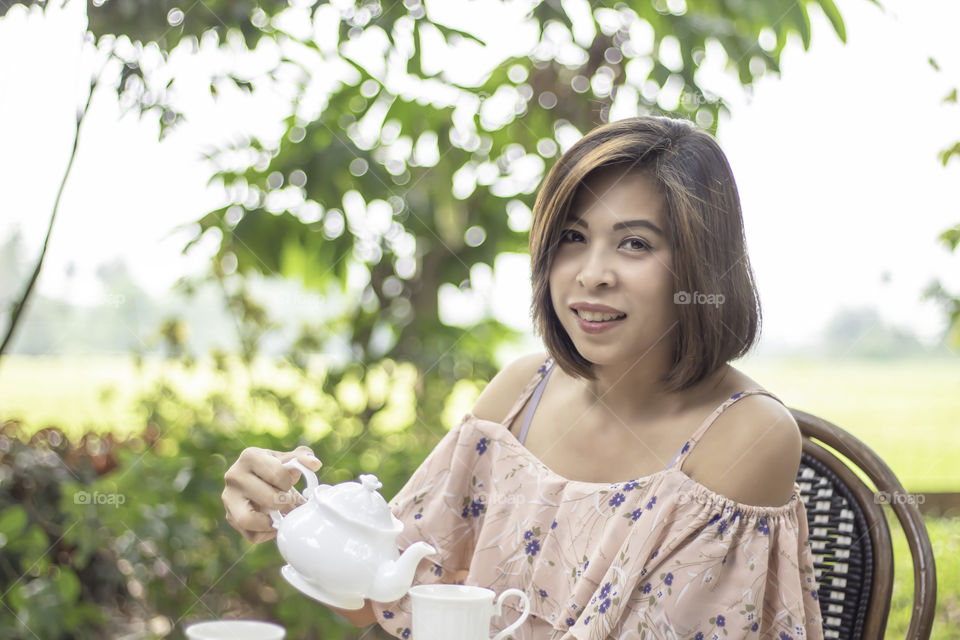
x=519 y=621
x=312 y=484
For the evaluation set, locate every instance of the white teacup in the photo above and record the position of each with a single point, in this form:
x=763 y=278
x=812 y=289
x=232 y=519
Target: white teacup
x=235 y=630
x=444 y=611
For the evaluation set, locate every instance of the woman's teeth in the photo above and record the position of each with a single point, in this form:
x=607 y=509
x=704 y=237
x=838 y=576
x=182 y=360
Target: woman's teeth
x=591 y=316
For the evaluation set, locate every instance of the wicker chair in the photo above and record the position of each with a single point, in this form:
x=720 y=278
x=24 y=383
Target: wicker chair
x=853 y=554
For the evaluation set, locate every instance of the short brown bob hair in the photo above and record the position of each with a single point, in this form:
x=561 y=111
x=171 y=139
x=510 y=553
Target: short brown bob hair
x=704 y=229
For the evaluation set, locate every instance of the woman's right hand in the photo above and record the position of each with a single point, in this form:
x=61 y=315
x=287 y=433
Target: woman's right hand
x=258 y=482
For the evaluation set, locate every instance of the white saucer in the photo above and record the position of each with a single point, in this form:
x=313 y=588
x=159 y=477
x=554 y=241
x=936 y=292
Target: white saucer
x=306 y=587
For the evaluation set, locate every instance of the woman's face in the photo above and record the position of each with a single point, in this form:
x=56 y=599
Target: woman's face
x=629 y=268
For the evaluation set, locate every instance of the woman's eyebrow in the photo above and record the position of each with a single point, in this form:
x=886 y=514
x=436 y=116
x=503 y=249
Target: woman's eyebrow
x=626 y=224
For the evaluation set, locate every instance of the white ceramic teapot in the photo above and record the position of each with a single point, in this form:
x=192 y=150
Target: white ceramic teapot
x=341 y=545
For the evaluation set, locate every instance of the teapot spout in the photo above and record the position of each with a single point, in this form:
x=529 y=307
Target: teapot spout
x=394 y=578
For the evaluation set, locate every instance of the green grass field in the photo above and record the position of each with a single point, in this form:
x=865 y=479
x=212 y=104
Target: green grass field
x=908 y=411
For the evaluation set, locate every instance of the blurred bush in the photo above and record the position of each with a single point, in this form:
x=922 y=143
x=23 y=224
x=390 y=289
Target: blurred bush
x=127 y=538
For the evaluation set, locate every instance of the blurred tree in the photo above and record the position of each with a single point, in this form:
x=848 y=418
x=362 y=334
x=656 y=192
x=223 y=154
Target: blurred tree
x=950 y=238
x=862 y=332
x=390 y=178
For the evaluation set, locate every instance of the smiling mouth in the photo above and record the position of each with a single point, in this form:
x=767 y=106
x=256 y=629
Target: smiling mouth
x=592 y=316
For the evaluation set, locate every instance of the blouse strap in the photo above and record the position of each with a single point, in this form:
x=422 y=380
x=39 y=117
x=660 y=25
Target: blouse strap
x=695 y=438
x=529 y=389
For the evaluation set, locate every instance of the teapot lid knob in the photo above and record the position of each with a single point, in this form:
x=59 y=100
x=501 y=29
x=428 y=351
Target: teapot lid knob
x=370 y=482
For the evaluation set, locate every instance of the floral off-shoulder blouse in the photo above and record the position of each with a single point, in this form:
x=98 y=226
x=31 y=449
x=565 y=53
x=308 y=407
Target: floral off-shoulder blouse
x=660 y=557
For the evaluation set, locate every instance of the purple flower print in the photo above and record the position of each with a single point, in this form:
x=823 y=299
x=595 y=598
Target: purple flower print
x=527 y=534
x=570 y=622
x=586 y=564
x=713 y=519
x=388 y=614
x=655 y=554
x=617 y=500
x=533 y=547
x=756 y=625
x=630 y=486
x=605 y=591
x=482 y=446
x=647 y=588
x=475 y=508
x=668 y=580
x=652 y=502
x=636 y=514
x=721 y=621
x=554 y=525
x=587 y=621
x=437 y=569
x=605 y=605
x=543 y=593
x=699 y=636
x=686 y=447
x=785 y=636
x=406 y=633
x=721 y=527
x=762 y=527
x=543 y=368
x=418 y=516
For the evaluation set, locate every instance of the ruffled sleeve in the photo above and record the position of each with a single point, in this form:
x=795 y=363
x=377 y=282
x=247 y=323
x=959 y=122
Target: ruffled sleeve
x=711 y=568
x=439 y=504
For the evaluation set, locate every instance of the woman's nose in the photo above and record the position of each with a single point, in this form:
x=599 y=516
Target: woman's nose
x=595 y=272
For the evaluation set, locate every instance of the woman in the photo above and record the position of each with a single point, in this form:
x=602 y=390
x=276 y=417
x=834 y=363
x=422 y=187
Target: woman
x=630 y=480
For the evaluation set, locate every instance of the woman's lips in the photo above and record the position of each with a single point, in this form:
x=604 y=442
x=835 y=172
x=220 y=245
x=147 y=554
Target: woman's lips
x=596 y=327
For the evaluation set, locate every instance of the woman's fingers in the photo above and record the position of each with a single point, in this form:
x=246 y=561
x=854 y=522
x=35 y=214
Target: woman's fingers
x=251 y=525
x=268 y=466
x=258 y=482
x=263 y=495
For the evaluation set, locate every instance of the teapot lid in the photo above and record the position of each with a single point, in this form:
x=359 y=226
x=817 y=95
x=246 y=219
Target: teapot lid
x=360 y=502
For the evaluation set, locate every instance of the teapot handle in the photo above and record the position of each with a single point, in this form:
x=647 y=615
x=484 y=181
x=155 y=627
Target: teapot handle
x=312 y=483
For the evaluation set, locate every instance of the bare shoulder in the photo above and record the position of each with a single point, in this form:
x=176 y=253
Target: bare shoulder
x=754 y=450
x=501 y=392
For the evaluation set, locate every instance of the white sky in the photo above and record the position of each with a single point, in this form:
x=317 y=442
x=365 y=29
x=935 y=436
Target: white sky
x=836 y=162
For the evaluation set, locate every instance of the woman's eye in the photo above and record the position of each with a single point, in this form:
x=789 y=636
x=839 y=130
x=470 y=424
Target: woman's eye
x=638 y=244
x=565 y=235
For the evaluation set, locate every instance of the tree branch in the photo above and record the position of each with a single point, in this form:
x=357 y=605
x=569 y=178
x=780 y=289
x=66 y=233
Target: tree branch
x=18 y=307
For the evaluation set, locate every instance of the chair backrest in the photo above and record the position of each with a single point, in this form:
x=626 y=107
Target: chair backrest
x=852 y=550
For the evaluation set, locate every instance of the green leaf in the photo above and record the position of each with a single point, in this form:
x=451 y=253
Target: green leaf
x=802 y=21
x=448 y=31
x=833 y=14
x=13 y=519
x=68 y=585
x=949 y=152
